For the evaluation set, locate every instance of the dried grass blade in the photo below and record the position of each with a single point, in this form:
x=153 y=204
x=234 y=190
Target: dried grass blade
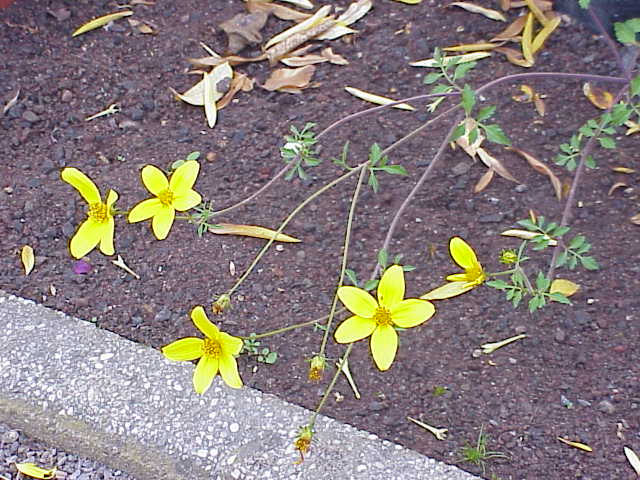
x=251 y=231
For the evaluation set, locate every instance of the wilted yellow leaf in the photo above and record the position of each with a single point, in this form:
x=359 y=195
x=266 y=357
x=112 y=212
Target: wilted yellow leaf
x=209 y=102
x=301 y=3
x=280 y=11
x=468 y=57
x=526 y=235
x=527 y=38
x=316 y=19
x=472 y=47
x=290 y=79
x=623 y=169
x=32 y=470
x=543 y=34
x=616 y=186
x=484 y=181
x=633 y=459
x=487 y=12
x=28 y=259
x=100 y=21
x=633 y=127
x=512 y=31
x=377 y=99
x=250 y=231
x=600 y=97
x=218 y=76
x=463 y=141
x=578 y=445
x=410 y=2
x=239 y=82
x=514 y=56
x=355 y=12
x=565 y=287
x=537 y=12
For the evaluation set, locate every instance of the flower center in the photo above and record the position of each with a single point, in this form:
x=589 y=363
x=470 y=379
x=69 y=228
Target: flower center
x=166 y=197
x=99 y=212
x=211 y=348
x=382 y=316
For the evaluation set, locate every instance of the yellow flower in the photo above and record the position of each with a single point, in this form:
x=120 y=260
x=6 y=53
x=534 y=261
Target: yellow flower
x=170 y=195
x=99 y=227
x=378 y=317
x=459 y=283
x=216 y=353
x=303 y=441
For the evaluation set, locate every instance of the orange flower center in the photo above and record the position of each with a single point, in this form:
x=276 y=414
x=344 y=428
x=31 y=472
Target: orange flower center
x=99 y=212
x=166 y=197
x=211 y=348
x=382 y=316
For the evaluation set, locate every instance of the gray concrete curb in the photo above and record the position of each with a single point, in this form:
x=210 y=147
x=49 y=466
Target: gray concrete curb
x=89 y=391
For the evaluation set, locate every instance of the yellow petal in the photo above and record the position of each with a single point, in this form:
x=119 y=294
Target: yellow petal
x=229 y=371
x=458 y=277
x=412 y=312
x=188 y=348
x=184 y=177
x=28 y=259
x=353 y=329
x=162 y=222
x=188 y=200
x=154 y=179
x=203 y=323
x=86 y=238
x=358 y=301
x=230 y=344
x=391 y=287
x=82 y=183
x=100 y=21
x=32 y=470
x=145 y=210
x=106 y=237
x=206 y=370
x=448 y=290
x=462 y=253
x=384 y=345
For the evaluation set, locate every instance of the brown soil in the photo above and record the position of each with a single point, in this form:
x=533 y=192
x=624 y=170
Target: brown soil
x=587 y=353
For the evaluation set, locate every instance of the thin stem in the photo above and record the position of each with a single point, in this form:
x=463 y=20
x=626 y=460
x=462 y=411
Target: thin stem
x=288 y=327
x=345 y=255
x=315 y=414
x=290 y=217
x=607 y=38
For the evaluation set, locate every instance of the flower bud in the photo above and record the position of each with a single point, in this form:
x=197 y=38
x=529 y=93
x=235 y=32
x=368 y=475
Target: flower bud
x=221 y=304
x=508 y=256
x=316 y=369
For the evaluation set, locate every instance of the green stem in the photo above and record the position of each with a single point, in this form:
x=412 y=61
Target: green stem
x=315 y=414
x=288 y=327
x=289 y=218
x=347 y=241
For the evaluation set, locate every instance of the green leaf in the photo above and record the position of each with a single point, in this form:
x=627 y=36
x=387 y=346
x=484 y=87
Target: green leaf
x=497 y=284
x=193 y=156
x=558 y=297
x=607 y=142
x=590 y=162
x=395 y=170
x=534 y=303
x=584 y=3
x=457 y=133
x=432 y=78
x=626 y=31
x=371 y=284
x=528 y=224
x=495 y=134
x=486 y=113
x=351 y=276
x=468 y=99
x=462 y=69
x=542 y=282
x=562 y=259
x=375 y=153
x=373 y=182
x=176 y=164
x=589 y=263
x=634 y=86
x=271 y=358
x=577 y=242
x=383 y=258
x=408 y=268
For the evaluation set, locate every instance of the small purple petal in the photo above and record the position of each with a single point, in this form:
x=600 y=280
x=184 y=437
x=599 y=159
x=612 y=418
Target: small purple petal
x=82 y=267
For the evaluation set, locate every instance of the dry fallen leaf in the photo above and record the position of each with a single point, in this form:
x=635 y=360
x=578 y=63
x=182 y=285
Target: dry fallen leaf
x=410 y=2
x=100 y=21
x=565 y=287
x=239 y=82
x=484 y=181
x=527 y=39
x=544 y=5
x=512 y=32
x=355 y=12
x=291 y=80
x=537 y=12
x=377 y=99
x=119 y=262
x=542 y=168
x=220 y=76
x=514 y=56
x=142 y=27
x=303 y=60
x=541 y=37
x=495 y=164
x=244 y=29
x=463 y=141
x=635 y=219
x=316 y=19
x=467 y=57
x=633 y=459
x=280 y=11
x=578 y=445
x=294 y=41
x=472 y=47
x=623 y=170
x=487 y=12
x=600 y=97
x=334 y=58
x=28 y=259
x=210 y=110
x=301 y=3
x=526 y=235
x=616 y=186
x=633 y=127
x=12 y=101
x=250 y=231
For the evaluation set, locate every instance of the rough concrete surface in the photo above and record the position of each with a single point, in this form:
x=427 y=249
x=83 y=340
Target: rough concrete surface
x=91 y=392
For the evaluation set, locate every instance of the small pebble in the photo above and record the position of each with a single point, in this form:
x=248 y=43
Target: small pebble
x=605 y=406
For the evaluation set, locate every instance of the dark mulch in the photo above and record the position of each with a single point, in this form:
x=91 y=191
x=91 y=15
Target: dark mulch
x=587 y=353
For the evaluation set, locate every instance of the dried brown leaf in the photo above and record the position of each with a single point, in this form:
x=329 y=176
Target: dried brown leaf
x=222 y=75
x=355 y=12
x=28 y=259
x=514 y=56
x=600 y=97
x=463 y=141
x=244 y=29
x=487 y=12
x=377 y=99
x=484 y=181
x=303 y=60
x=505 y=5
x=635 y=219
x=541 y=37
x=616 y=186
x=542 y=168
x=292 y=42
x=250 y=231
x=280 y=11
x=512 y=32
x=286 y=78
x=544 y=5
x=495 y=164
x=623 y=170
x=240 y=82
x=537 y=11
x=315 y=20
x=472 y=47
x=334 y=58
x=527 y=39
